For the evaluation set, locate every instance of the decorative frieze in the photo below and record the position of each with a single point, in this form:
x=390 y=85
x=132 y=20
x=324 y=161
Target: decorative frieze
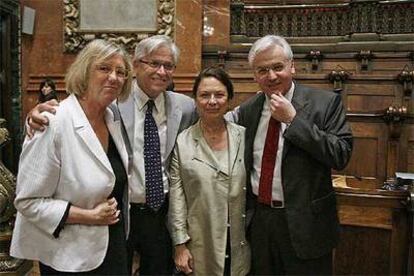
x=304 y=20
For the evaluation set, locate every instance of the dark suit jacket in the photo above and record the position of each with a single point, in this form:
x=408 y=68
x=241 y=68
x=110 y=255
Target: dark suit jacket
x=317 y=140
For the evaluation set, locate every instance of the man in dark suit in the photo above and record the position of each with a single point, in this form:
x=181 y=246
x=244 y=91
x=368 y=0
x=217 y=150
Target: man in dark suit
x=295 y=135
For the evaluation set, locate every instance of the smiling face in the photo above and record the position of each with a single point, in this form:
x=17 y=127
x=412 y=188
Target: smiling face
x=211 y=99
x=273 y=71
x=106 y=80
x=154 y=81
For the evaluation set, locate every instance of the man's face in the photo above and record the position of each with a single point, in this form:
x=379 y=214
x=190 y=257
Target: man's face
x=154 y=71
x=273 y=71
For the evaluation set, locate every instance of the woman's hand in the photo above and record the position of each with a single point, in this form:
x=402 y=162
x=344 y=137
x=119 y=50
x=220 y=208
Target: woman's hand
x=105 y=213
x=183 y=259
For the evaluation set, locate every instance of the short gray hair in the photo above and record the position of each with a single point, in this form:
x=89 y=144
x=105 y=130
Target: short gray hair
x=77 y=77
x=265 y=43
x=148 y=45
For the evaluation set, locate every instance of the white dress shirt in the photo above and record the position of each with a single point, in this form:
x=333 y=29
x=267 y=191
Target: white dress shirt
x=137 y=187
x=259 y=143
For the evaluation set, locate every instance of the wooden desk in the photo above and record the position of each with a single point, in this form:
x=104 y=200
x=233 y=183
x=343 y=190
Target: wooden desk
x=375 y=232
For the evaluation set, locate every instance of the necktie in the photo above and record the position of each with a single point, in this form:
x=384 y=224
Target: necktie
x=268 y=162
x=154 y=192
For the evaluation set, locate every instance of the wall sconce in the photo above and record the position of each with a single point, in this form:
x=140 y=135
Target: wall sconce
x=406 y=78
x=314 y=56
x=208 y=30
x=364 y=56
x=338 y=77
x=394 y=117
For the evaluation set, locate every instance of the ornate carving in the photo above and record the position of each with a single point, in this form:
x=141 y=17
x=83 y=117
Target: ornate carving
x=314 y=56
x=7 y=210
x=406 y=78
x=338 y=77
x=74 y=40
x=364 y=56
x=394 y=117
x=340 y=19
x=221 y=58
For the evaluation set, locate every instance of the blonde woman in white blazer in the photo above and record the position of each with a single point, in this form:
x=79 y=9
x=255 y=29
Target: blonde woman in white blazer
x=72 y=184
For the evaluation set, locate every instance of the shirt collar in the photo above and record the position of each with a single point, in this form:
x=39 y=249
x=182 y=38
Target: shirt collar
x=141 y=98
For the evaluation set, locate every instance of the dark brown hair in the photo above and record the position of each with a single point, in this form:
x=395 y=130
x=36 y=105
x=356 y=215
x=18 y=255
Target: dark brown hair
x=219 y=74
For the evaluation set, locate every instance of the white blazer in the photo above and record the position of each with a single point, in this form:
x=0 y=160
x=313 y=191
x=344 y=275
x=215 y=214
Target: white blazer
x=65 y=163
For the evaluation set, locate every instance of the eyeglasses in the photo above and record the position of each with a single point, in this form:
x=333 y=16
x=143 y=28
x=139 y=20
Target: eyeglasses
x=107 y=69
x=169 y=67
x=264 y=70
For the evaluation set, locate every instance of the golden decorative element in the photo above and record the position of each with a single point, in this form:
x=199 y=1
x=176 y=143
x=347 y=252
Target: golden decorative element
x=338 y=77
x=7 y=210
x=74 y=40
x=394 y=117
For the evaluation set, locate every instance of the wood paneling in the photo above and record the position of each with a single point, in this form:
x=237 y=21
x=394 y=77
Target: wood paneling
x=357 y=255
x=374 y=236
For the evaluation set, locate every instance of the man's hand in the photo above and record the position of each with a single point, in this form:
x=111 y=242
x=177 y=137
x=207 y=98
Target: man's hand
x=281 y=108
x=183 y=259
x=36 y=121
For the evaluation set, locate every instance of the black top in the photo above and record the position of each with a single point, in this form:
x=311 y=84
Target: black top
x=51 y=96
x=119 y=171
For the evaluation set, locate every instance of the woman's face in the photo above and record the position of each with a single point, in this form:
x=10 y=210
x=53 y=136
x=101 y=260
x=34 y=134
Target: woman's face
x=211 y=99
x=106 y=80
x=46 y=89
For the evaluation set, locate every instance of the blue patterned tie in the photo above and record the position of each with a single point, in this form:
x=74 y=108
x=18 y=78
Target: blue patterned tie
x=152 y=158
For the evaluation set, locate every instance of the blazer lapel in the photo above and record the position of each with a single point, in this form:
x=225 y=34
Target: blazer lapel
x=203 y=153
x=174 y=115
x=234 y=145
x=114 y=127
x=127 y=110
x=87 y=135
x=300 y=104
x=251 y=120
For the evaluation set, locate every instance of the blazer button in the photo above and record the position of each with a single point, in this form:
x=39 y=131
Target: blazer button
x=244 y=188
x=242 y=243
x=243 y=215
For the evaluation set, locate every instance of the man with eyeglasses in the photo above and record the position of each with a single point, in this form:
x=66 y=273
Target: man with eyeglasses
x=154 y=63
x=295 y=135
x=153 y=117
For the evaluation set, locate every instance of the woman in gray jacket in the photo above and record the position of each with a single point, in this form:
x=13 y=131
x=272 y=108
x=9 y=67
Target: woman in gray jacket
x=208 y=179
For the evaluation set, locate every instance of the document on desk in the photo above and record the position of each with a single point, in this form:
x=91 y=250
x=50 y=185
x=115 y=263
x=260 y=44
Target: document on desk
x=404 y=175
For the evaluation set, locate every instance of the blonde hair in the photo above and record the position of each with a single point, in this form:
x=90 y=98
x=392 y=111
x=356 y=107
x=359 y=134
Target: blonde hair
x=98 y=50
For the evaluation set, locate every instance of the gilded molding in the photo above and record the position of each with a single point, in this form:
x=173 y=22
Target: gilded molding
x=7 y=210
x=74 y=40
